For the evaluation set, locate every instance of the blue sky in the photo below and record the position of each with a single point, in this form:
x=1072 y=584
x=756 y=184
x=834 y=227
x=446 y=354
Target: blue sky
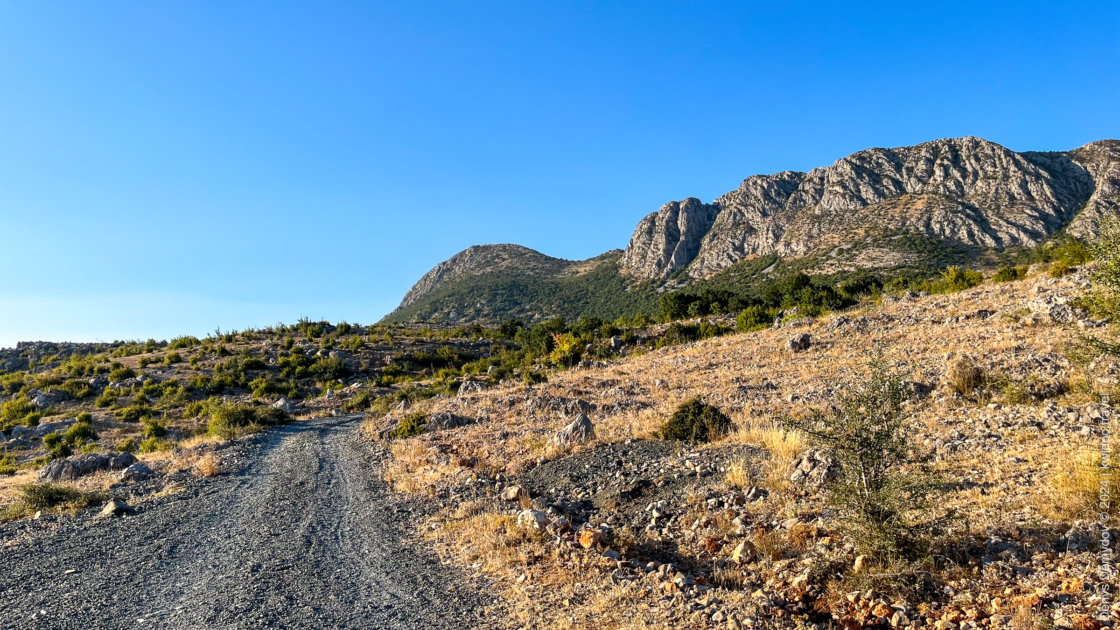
x=172 y=168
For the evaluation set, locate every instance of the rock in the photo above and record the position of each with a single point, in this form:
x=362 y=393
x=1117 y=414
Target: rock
x=860 y=564
x=285 y=405
x=668 y=239
x=121 y=461
x=115 y=507
x=578 y=430
x=815 y=467
x=43 y=400
x=73 y=467
x=799 y=343
x=137 y=472
x=339 y=354
x=446 y=420
x=535 y=520
x=743 y=553
x=514 y=493
x=611 y=554
x=590 y=537
x=470 y=387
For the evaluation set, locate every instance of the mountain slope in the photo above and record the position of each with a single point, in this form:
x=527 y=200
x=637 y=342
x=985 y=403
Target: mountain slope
x=956 y=199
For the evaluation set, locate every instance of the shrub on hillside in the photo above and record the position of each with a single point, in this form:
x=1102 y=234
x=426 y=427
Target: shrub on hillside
x=1010 y=274
x=566 y=350
x=410 y=425
x=956 y=279
x=34 y=497
x=695 y=421
x=229 y=420
x=121 y=373
x=330 y=369
x=882 y=489
x=964 y=375
x=755 y=318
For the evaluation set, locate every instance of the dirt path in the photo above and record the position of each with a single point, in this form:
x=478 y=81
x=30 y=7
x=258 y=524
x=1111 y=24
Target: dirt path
x=303 y=537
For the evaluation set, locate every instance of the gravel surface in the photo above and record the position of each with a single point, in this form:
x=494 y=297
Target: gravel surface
x=303 y=536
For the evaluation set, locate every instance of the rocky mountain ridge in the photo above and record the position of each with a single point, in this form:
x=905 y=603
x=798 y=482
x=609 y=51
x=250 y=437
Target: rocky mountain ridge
x=968 y=193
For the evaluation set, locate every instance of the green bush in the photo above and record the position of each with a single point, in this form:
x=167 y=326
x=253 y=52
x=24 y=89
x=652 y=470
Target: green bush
x=155 y=445
x=755 y=318
x=154 y=428
x=79 y=433
x=127 y=446
x=121 y=373
x=173 y=358
x=34 y=497
x=229 y=420
x=8 y=463
x=1060 y=269
x=330 y=369
x=533 y=378
x=695 y=421
x=678 y=333
x=410 y=425
x=134 y=412
x=15 y=409
x=882 y=489
x=56 y=446
x=1010 y=274
x=956 y=279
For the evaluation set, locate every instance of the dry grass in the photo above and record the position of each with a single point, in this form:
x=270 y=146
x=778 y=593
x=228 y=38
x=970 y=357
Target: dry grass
x=414 y=467
x=1074 y=488
x=784 y=447
x=208 y=465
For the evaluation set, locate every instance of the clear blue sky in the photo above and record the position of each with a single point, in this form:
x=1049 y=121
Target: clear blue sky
x=171 y=168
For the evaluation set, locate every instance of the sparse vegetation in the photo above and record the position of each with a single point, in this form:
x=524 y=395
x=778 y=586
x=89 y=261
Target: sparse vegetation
x=695 y=421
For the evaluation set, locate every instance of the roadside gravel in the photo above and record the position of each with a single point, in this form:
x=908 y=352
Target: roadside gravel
x=303 y=536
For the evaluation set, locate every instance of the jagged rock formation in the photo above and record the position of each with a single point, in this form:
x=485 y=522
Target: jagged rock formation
x=970 y=195
x=966 y=190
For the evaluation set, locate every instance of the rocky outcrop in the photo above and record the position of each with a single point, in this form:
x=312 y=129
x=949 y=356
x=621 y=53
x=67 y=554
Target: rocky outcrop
x=965 y=190
x=668 y=238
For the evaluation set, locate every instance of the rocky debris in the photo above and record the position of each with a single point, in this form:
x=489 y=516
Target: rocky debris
x=470 y=387
x=115 y=507
x=514 y=493
x=815 y=467
x=798 y=343
x=137 y=472
x=38 y=431
x=286 y=406
x=446 y=420
x=43 y=399
x=579 y=430
x=77 y=466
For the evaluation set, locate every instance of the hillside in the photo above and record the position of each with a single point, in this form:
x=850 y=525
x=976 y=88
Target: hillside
x=950 y=201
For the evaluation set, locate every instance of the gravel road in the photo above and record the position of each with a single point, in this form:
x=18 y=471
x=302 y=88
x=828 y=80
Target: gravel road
x=303 y=536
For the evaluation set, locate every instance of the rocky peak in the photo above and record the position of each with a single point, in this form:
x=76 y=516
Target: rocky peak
x=966 y=190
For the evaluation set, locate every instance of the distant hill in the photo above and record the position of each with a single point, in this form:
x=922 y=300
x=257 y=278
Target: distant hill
x=950 y=201
x=492 y=283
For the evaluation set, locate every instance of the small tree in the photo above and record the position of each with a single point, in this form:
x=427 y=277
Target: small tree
x=1104 y=297
x=882 y=488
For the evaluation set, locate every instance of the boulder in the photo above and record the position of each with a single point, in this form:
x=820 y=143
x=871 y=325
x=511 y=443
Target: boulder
x=578 y=430
x=73 y=467
x=121 y=461
x=799 y=342
x=285 y=405
x=535 y=520
x=43 y=400
x=137 y=472
x=115 y=507
x=514 y=493
x=446 y=420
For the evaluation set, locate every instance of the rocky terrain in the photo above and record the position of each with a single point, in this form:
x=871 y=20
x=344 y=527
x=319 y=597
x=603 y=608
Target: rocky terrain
x=563 y=494
x=905 y=208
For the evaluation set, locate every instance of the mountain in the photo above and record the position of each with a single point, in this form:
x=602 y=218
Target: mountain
x=491 y=283
x=879 y=208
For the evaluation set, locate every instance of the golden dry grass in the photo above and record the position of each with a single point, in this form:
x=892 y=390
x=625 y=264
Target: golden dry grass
x=208 y=465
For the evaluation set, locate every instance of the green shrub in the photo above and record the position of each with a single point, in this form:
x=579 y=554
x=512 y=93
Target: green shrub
x=755 y=318
x=154 y=428
x=16 y=408
x=956 y=279
x=230 y=420
x=79 y=433
x=1060 y=269
x=56 y=445
x=566 y=350
x=84 y=416
x=173 y=358
x=127 y=446
x=121 y=373
x=134 y=412
x=155 y=445
x=410 y=425
x=32 y=419
x=533 y=378
x=882 y=489
x=34 y=497
x=77 y=388
x=1010 y=274
x=695 y=421
x=678 y=333
x=8 y=463
x=144 y=362
x=330 y=369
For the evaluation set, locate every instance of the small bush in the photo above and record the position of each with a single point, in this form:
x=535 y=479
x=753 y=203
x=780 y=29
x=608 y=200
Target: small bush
x=956 y=279
x=678 y=333
x=153 y=428
x=127 y=446
x=1010 y=274
x=330 y=369
x=208 y=465
x=228 y=421
x=133 y=413
x=964 y=376
x=34 y=497
x=410 y=425
x=533 y=378
x=155 y=445
x=7 y=463
x=695 y=421
x=173 y=358
x=1060 y=268
x=565 y=351
x=121 y=373
x=755 y=318
x=80 y=433
x=16 y=408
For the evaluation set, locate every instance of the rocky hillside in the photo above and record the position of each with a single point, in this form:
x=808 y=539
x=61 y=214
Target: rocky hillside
x=966 y=195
